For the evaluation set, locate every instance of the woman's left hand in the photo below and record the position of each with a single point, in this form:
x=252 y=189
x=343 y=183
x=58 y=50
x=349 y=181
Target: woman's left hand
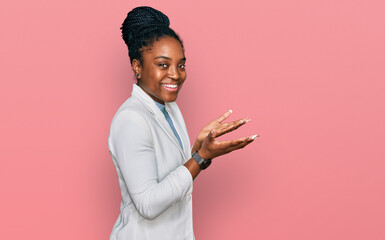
x=220 y=128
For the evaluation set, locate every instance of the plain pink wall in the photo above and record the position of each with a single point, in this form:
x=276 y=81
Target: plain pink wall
x=310 y=74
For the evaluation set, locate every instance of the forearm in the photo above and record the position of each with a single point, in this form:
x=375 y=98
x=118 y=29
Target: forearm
x=160 y=196
x=158 y=199
x=193 y=168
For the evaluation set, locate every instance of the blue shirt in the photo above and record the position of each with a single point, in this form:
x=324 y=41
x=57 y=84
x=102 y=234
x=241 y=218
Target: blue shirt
x=163 y=109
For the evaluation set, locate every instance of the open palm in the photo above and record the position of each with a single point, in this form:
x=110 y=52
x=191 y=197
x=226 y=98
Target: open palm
x=219 y=127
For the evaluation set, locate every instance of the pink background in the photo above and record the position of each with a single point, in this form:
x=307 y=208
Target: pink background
x=310 y=74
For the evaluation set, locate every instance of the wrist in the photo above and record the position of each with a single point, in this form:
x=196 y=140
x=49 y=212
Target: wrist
x=202 y=162
x=203 y=154
x=198 y=143
x=193 y=168
x=196 y=146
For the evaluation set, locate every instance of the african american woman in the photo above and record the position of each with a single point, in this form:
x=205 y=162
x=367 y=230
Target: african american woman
x=148 y=139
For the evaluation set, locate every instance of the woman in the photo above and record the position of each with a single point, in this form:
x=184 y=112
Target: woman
x=148 y=139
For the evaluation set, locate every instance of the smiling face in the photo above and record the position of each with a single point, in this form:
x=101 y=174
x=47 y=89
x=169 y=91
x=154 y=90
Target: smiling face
x=162 y=70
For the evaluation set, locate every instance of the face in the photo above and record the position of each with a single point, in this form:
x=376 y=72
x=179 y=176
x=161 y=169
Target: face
x=162 y=70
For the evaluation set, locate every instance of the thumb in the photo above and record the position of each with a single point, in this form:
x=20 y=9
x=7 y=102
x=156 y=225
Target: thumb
x=212 y=134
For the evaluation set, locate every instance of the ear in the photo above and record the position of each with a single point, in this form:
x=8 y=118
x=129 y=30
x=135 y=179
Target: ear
x=136 y=66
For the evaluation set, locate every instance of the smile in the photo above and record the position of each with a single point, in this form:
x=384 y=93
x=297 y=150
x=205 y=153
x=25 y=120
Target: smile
x=170 y=87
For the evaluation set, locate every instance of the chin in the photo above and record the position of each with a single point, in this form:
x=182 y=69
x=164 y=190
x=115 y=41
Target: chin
x=170 y=98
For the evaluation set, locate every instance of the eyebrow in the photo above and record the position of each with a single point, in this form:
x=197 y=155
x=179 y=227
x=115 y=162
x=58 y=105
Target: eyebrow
x=167 y=57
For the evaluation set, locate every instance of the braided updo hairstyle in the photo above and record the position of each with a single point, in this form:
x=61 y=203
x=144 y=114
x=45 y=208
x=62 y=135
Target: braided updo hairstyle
x=142 y=27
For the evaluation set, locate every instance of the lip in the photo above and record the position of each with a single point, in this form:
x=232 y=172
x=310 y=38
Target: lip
x=171 y=89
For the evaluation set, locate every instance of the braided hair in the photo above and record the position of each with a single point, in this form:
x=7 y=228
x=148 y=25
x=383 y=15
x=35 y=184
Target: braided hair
x=142 y=27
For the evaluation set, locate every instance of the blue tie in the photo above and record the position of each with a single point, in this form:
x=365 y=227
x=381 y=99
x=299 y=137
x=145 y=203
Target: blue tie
x=163 y=109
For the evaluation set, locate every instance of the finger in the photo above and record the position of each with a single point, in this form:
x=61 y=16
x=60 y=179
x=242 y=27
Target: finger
x=237 y=143
x=254 y=136
x=236 y=124
x=224 y=116
x=232 y=143
x=212 y=134
x=241 y=145
x=231 y=126
x=245 y=142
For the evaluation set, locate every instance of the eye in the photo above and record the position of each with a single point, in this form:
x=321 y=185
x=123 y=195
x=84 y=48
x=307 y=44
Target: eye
x=163 y=65
x=182 y=66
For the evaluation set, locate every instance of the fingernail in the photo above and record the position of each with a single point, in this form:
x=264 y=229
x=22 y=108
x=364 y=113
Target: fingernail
x=248 y=120
x=253 y=137
x=231 y=111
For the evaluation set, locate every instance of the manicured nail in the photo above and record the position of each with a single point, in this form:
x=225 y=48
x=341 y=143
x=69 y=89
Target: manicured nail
x=248 y=120
x=253 y=137
x=231 y=111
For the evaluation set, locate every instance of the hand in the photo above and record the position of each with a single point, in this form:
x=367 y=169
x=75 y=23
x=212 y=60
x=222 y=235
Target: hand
x=212 y=148
x=221 y=128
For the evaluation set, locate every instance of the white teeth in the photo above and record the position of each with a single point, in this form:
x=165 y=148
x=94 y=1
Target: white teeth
x=170 y=85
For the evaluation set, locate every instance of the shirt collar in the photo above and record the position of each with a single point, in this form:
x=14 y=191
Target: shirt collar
x=160 y=106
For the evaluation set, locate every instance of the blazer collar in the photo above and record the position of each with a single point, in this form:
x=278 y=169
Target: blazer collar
x=171 y=108
x=149 y=102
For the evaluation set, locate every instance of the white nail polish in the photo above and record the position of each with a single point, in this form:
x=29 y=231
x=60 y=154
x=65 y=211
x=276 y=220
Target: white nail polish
x=231 y=111
x=254 y=136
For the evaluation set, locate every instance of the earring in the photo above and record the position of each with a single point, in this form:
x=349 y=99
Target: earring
x=138 y=75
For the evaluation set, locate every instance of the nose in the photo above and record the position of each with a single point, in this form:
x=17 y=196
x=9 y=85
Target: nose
x=173 y=72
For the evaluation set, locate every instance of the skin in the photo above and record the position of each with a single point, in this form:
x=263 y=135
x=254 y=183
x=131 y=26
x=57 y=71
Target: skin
x=164 y=63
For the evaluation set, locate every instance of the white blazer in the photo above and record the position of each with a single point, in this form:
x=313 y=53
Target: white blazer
x=155 y=186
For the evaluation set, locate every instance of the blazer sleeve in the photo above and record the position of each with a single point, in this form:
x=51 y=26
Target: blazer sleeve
x=132 y=145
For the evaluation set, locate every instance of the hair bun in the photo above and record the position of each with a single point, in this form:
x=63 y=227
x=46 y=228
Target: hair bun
x=141 y=20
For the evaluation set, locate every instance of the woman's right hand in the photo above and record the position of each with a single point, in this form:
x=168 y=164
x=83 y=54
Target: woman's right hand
x=212 y=148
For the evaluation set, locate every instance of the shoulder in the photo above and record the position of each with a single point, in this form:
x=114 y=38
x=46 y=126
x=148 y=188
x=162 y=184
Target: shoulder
x=130 y=123
x=132 y=110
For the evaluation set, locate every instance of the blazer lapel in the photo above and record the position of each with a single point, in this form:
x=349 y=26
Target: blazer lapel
x=160 y=118
x=167 y=129
x=180 y=126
